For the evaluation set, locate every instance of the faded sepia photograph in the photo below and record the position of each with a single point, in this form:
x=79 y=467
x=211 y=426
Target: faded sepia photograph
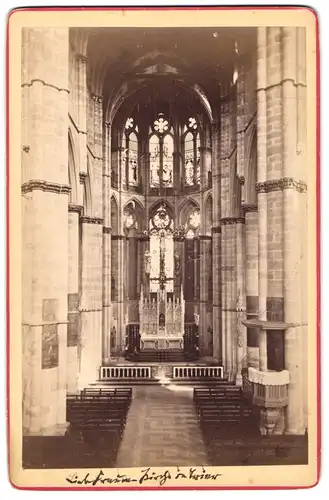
x=163 y=187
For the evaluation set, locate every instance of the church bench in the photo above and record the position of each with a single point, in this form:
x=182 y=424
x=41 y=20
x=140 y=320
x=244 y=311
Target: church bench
x=100 y=401
x=92 y=411
x=100 y=391
x=216 y=392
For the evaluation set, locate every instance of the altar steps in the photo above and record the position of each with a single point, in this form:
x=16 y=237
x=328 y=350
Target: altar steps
x=153 y=381
x=161 y=356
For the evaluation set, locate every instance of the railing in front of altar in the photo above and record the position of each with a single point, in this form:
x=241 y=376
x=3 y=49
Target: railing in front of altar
x=198 y=371
x=122 y=372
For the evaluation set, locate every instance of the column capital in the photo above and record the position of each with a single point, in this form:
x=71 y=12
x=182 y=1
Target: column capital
x=205 y=149
x=51 y=187
x=82 y=177
x=81 y=58
x=91 y=220
x=76 y=208
x=249 y=207
x=280 y=185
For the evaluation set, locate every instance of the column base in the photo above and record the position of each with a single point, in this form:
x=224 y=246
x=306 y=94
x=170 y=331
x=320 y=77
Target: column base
x=296 y=432
x=238 y=380
x=54 y=430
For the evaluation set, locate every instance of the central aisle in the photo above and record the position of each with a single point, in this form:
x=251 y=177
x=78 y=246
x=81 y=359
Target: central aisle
x=162 y=429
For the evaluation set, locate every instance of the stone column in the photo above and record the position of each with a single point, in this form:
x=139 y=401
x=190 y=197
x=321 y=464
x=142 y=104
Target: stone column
x=205 y=247
x=293 y=232
x=121 y=245
x=251 y=266
x=241 y=339
x=82 y=110
x=281 y=190
x=73 y=328
x=91 y=300
x=261 y=196
x=229 y=194
x=45 y=192
x=107 y=309
x=302 y=174
x=218 y=340
x=205 y=243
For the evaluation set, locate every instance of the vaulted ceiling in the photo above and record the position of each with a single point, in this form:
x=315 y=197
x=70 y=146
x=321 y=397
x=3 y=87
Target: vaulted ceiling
x=123 y=61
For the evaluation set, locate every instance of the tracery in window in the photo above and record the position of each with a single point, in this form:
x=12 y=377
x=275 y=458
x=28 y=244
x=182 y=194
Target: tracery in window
x=161 y=125
x=191 y=153
x=193 y=223
x=161 y=251
x=129 y=154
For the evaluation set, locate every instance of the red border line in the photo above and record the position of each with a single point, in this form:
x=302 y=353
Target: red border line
x=318 y=242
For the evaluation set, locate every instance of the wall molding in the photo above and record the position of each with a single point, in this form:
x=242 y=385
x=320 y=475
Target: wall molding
x=76 y=208
x=216 y=229
x=50 y=187
x=107 y=230
x=227 y=221
x=86 y=219
x=45 y=84
x=118 y=237
x=279 y=84
x=280 y=184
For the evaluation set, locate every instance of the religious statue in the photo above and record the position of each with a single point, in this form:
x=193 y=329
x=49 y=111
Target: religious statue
x=147 y=262
x=167 y=174
x=162 y=320
x=113 y=337
x=177 y=263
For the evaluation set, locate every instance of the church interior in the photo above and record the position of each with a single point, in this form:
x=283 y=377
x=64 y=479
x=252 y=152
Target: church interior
x=164 y=307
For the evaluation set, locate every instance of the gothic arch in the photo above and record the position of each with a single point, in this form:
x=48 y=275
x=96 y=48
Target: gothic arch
x=157 y=204
x=114 y=215
x=186 y=208
x=138 y=210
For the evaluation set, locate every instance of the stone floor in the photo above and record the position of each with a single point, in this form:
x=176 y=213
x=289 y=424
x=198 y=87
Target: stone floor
x=162 y=429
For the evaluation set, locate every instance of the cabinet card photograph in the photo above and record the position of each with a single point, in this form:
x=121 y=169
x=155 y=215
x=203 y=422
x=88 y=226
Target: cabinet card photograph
x=163 y=231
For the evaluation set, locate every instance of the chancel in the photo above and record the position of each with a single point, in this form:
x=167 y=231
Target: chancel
x=163 y=178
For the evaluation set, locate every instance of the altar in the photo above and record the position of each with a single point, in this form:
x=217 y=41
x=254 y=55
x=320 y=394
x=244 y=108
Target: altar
x=161 y=321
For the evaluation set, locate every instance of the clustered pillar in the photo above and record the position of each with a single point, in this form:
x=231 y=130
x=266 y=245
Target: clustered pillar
x=45 y=193
x=281 y=199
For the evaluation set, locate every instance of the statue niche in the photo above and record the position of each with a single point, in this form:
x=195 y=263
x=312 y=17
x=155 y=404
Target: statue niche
x=162 y=320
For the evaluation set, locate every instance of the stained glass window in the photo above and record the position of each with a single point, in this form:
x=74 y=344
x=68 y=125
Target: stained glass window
x=161 y=149
x=162 y=251
x=193 y=223
x=189 y=159
x=129 y=154
x=167 y=169
x=191 y=153
x=194 y=219
x=133 y=159
x=154 y=161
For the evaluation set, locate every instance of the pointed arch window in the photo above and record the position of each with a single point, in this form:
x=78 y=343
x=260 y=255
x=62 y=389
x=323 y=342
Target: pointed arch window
x=191 y=153
x=161 y=149
x=129 y=155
